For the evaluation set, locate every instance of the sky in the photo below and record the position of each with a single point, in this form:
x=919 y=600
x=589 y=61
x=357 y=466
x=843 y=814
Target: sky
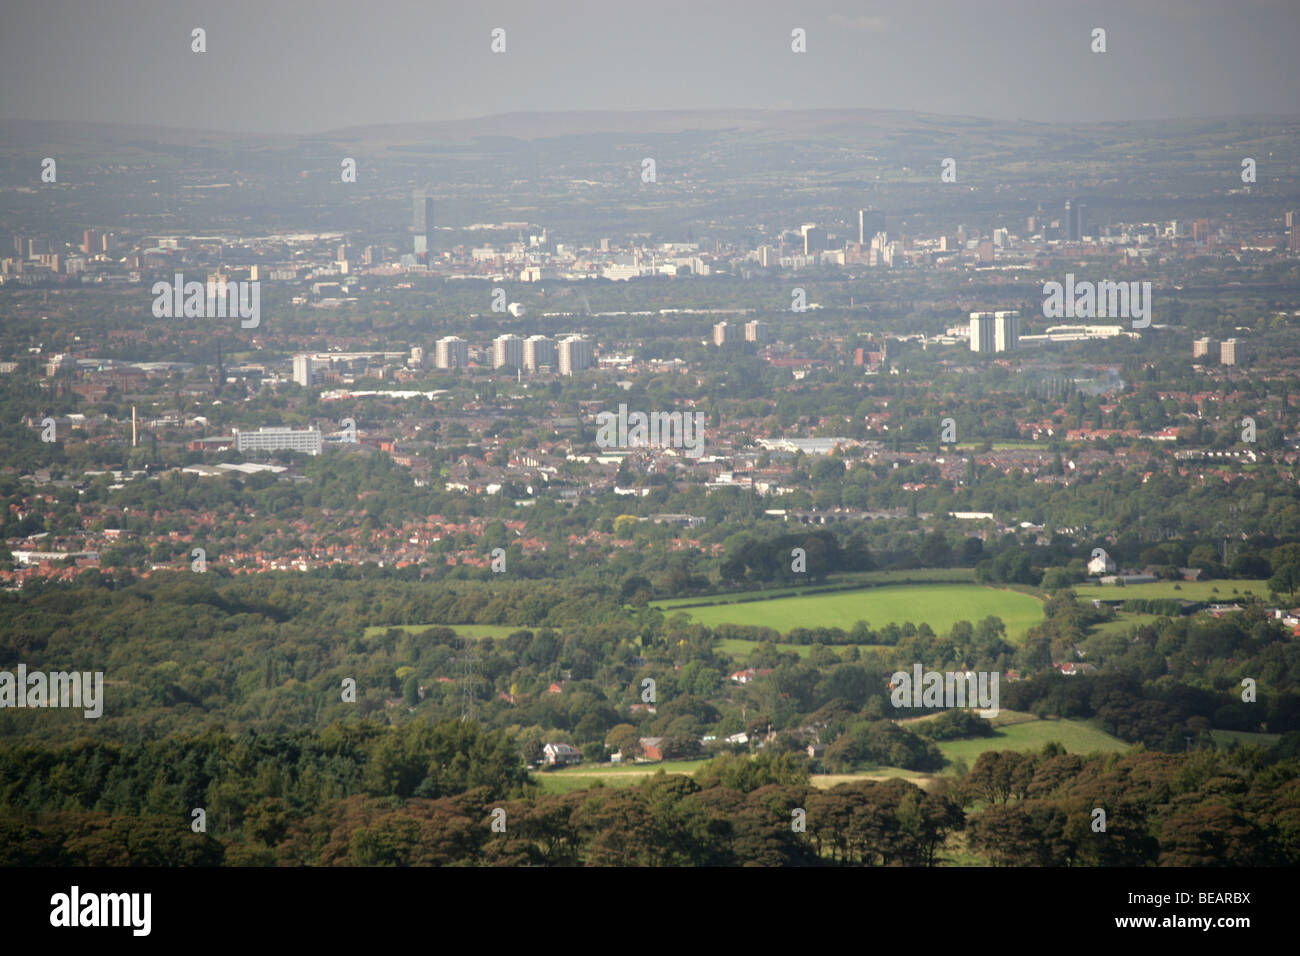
x=298 y=66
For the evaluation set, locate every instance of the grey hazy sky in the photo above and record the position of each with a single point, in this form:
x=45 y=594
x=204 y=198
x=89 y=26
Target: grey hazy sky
x=299 y=66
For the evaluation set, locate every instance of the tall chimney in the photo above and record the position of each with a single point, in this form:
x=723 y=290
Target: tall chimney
x=132 y=426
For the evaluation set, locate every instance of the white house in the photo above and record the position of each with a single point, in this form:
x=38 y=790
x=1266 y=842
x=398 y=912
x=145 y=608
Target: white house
x=1101 y=564
x=558 y=755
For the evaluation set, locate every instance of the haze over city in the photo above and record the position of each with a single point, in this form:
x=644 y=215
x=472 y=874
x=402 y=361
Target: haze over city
x=296 y=66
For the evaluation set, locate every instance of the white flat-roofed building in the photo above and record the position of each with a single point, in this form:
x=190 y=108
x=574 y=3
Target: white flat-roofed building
x=1006 y=331
x=982 y=338
x=279 y=439
x=302 y=371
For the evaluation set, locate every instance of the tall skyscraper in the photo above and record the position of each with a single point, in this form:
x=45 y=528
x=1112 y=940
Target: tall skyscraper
x=1006 y=331
x=870 y=222
x=1293 y=230
x=1073 y=225
x=982 y=332
x=814 y=239
x=423 y=223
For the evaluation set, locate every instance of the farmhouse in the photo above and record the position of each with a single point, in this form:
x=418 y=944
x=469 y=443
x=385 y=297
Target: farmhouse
x=560 y=755
x=1103 y=563
x=650 y=747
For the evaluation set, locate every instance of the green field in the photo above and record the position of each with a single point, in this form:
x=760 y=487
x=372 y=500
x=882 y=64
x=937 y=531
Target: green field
x=1076 y=736
x=1225 y=738
x=611 y=775
x=1124 y=623
x=939 y=605
x=1179 y=590
x=463 y=630
x=825 y=781
x=862 y=578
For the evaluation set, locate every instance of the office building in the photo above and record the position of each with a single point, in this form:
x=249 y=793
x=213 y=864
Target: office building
x=574 y=354
x=539 y=353
x=1006 y=331
x=279 y=439
x=1228 y=352
x=1073 y=225
x=755 y=331
x=982 y=334
x=814 y=239
x=451 y=352
x=508 y=350
x=423 y=223
x=302 y=371
x=870 y=222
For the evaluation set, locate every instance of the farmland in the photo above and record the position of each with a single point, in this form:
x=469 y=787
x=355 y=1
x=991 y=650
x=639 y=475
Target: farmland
x=1217 y=591
x=939 y=605
x=845 y=581
x=1076 y=736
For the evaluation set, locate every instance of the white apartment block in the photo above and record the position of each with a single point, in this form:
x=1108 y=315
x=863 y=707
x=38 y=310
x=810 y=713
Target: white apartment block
x=279 y=439
x=539 y=352
x=451 y=352
x=508 y=350
x=575 y=354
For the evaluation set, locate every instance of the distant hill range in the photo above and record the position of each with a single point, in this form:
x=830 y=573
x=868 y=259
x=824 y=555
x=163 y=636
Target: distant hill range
x=849 y=125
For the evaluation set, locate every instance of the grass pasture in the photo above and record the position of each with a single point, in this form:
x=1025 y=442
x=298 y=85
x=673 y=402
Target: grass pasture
x=939 y=605
x=1124 y=624
x=611 y=775
x=1226 y=738
x=1076 y=736
x=825 y=781
x=862 y=579
x=1178 y=590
